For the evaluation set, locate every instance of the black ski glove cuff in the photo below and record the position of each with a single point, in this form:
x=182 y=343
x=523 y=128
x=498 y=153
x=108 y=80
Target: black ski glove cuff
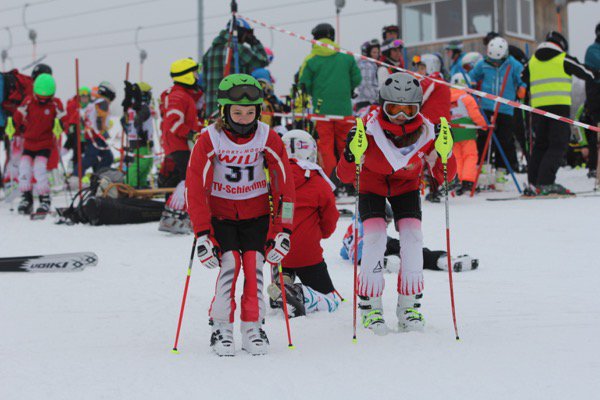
x=348 y=156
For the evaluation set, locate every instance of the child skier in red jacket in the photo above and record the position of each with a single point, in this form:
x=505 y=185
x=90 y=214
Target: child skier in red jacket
x=36 y=116
x=228 y=199
x=315 y=218
x=400 y=142
x=179 y=124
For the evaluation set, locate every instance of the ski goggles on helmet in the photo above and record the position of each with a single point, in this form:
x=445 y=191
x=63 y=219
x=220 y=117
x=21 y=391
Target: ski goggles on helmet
x=238 y=92
x=395 y=110
x=395 y=44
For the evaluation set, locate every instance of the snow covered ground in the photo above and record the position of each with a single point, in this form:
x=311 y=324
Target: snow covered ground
x=529 y=318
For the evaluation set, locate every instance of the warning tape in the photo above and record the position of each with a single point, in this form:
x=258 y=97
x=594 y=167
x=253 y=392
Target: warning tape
x=475 y=92
x=324 y=117
x=119 y=149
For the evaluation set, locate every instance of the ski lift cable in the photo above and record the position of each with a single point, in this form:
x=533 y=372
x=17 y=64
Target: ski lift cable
x=159 y=25
x=37 y=3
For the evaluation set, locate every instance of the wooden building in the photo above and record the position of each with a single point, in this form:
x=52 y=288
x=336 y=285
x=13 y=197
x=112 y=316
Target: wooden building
x=427 y=25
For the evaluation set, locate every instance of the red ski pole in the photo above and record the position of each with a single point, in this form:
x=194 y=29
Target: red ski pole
x=78 y=128
x=358 y=146
x=443 y=145
x=185 y=290
x=285 y=309
x=490 y=132
x=278 y=266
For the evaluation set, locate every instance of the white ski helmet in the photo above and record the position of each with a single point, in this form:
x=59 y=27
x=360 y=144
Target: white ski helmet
x=300 y=145
x=470 y=60
x=497 y=49
x=460 y=79
x=432 y=62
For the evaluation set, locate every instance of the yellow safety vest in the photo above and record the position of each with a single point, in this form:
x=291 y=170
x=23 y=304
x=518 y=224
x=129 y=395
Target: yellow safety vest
x=550 y=85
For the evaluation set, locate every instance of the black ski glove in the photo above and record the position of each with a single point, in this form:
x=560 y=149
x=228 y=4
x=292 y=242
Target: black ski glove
x=128 y=100
x=348 y=156
x=137 y=97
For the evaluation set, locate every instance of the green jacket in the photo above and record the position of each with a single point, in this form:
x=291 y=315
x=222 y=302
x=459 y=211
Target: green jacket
x=330 y=78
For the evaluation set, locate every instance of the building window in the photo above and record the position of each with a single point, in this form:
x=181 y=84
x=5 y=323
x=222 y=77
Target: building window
x=518 y=17
x=418 y=23
x=451 y=25
x=480 y=17
x=441 y=20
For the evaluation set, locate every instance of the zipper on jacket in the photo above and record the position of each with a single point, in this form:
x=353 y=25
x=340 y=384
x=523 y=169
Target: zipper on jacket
x=387 y=182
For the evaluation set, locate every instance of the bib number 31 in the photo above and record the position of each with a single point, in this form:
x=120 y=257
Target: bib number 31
x=236 y=173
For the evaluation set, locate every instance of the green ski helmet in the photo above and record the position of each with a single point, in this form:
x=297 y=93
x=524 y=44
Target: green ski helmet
x=85 y=91
x=44 y=85
x=240 y=89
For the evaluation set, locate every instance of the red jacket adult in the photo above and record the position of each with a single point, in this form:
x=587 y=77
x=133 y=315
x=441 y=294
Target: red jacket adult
x=202 y=205
x=72 y=116
x=315 y=217
x=37 y=121
x=180 y=117
x=378 y=175
x=436 y=99
x=17 y=88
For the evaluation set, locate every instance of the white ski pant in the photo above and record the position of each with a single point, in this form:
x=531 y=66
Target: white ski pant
x=16 y=150
x=410 y=277
x=35 y=167
x=177 y=200
x=223 y=306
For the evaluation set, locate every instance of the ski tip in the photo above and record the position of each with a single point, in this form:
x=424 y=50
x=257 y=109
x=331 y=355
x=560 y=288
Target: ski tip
x=291 y=347
x=175 y=351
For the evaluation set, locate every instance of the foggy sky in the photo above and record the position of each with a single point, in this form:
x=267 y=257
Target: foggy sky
x=361 y=20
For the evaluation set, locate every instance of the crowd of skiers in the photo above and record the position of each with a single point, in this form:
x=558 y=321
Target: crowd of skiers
x=255 y=189
x=506 y=71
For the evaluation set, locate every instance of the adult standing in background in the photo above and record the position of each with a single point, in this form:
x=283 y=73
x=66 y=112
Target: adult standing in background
x=368 y=91
x=391 y=53
x=548 y=75
x=491 y=72
x=592 y=102
x=455 y=54
x=330 y=77
x=250 y=52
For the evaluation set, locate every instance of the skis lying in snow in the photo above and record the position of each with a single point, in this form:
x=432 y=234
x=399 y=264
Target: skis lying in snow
x=587 y=193
x=540 y=197
x=49 y=263
x=37 y=216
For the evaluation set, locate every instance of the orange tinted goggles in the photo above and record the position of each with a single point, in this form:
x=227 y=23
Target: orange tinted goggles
x=394 y=110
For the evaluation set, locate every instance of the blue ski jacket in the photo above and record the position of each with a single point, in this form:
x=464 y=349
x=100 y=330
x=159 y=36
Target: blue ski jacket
x=491 y=82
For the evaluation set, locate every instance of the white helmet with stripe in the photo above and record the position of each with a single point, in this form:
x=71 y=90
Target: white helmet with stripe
x=300 y=145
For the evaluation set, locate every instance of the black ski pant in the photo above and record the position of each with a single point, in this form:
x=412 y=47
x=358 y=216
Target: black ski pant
x=505 y=133
x=430 y=257
x=592 y=139
x=315 y=277
x=519 y=124
x=549 y=149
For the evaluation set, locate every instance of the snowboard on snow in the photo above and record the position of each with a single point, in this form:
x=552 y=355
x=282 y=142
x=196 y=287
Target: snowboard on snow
x=66 y=262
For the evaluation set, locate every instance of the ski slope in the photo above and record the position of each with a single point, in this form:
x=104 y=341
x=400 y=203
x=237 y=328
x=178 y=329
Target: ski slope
x=529 y=317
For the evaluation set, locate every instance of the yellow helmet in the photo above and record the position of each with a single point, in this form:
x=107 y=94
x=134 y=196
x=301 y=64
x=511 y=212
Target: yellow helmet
x=144 y=87
x=182 y=71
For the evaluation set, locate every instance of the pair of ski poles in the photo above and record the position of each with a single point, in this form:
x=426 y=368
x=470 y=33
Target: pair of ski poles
x=281 y=282
x=358 y=146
